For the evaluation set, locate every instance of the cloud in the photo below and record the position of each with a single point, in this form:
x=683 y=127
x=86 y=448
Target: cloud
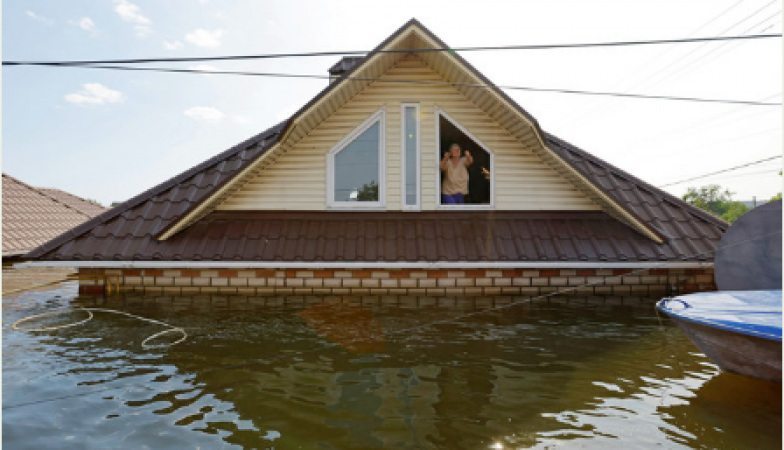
x=86 y=23
x=242 y=120
x=94 y=94
x=132 y=13
x=142 y=30
x=204 y=114
x=173 y=45
x=39 y=18
x=205 y=38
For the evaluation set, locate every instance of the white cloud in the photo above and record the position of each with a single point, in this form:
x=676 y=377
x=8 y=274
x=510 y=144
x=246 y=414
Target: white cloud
x=142 y=30
x=40 y=18
x=132 y=13
x=204 y=113
x=173 y=45
x=86 y=23
x=242 y=120
x=205 y=38
x=94 y=94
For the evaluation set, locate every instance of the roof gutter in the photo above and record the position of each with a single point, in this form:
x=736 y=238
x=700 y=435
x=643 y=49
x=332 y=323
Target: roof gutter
x=369 y=264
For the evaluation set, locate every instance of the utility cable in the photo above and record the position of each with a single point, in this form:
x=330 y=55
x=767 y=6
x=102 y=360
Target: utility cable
x=722 y=171
x=408 y=50
x=406 y=332
x=425 y=82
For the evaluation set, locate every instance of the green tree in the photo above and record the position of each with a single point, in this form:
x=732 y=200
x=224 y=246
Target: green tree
x=776 y=197
x=717 y=201
x=368 y=193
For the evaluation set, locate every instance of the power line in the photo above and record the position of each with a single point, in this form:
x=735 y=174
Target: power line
x=418 y=50
x=432 y=83
x=645 y=83
x=722 y=171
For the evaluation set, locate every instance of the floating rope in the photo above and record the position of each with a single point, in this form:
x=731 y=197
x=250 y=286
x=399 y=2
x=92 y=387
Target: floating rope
x=171 y=329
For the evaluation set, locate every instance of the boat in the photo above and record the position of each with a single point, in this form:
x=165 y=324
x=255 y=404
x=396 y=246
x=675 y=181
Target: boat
x=740 y=331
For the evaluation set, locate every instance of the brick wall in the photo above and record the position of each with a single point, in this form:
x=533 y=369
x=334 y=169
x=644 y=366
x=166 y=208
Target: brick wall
x=417 y=282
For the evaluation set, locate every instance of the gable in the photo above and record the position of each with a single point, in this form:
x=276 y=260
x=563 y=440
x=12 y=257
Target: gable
x=298 y=179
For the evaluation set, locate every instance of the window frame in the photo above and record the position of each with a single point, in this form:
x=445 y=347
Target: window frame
x=441 y=113
x=377 y=117
x=403 y=174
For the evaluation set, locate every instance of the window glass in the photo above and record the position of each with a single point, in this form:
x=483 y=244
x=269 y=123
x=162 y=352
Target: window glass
x=412 y=155
x=357 y=168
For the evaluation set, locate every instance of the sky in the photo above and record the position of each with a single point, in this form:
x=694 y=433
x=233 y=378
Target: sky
x=110 y=135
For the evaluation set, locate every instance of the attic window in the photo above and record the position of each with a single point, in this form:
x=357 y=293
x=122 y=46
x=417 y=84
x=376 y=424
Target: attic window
x=471 y=186
x=356 y=167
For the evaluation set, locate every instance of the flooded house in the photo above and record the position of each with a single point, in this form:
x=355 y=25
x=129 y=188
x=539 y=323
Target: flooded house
x=409 y=174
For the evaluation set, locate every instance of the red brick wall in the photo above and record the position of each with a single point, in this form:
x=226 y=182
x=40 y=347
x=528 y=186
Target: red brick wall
x=420 y=282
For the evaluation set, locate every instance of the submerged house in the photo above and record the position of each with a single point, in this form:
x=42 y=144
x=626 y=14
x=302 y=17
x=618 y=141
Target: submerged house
x=345 y=198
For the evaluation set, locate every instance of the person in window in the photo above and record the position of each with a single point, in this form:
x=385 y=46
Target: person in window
x=454 y=188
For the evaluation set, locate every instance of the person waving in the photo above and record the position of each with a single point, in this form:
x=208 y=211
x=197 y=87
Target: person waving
x=454 y=188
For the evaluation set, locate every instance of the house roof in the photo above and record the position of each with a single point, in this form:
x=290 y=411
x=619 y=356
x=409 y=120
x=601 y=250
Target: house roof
x=167 y=210
x=86 y=206
x=350 y=237
x=33 y=216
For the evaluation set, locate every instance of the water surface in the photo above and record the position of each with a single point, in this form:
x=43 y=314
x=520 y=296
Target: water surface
x=351 y=373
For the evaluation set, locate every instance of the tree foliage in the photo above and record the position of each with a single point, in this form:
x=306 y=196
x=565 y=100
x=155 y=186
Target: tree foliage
x=717 y=201
x=368 y=193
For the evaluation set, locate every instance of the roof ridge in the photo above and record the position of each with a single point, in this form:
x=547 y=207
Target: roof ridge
x=153 y=191
x=639 y=182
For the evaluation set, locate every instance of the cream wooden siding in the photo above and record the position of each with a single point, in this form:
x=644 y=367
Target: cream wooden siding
x=298 y=179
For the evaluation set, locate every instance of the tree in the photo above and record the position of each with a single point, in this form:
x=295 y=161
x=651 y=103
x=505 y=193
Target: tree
x=776 y=197
x=368 y=193
x=716 y=201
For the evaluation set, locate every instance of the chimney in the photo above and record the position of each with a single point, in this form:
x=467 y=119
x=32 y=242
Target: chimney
x=343 y=66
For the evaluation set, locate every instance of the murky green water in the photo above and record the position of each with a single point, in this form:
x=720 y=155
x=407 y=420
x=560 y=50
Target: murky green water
x=264 y=373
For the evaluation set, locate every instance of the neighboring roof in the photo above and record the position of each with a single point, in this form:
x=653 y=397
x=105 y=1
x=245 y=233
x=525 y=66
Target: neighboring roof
x=336 y=236
x=86 y=206
x=33 y=216
x=170 y=207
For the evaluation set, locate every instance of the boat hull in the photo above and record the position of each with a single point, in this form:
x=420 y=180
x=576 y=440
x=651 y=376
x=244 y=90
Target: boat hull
x=734 y=352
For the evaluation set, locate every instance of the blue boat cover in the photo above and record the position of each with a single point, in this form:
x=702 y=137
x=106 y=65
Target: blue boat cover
x=753 y=313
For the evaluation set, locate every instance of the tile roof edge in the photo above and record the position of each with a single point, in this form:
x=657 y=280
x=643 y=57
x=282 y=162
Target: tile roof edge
x=153 y=191
x=640 y=183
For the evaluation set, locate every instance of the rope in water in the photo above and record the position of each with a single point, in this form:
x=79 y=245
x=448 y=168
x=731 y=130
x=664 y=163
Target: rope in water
x=145 y=345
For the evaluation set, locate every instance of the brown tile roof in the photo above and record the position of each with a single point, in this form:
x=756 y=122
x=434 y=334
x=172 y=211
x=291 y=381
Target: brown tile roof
x=336 y=236
x=129 y=230
x=83 y=205
x=32 y=216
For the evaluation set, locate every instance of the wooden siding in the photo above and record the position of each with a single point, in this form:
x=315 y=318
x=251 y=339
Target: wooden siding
x=297 y=180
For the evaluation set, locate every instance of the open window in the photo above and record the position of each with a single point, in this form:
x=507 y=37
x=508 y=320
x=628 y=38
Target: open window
x=477 y=190
x=355 y=167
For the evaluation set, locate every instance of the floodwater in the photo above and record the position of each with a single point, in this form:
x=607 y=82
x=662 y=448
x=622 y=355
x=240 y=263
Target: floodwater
x=358 y=374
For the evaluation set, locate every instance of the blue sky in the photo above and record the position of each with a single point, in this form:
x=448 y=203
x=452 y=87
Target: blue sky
x=110 y=135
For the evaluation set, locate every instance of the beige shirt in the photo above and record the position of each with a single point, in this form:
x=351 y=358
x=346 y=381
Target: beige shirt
x=456 y=179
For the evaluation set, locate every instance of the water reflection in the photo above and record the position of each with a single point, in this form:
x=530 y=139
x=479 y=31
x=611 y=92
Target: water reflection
x=290 y=373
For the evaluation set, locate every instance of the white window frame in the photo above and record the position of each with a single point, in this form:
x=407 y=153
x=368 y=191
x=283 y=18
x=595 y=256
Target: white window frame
x=403 y=205
x=377 y=117
x=441 y=113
